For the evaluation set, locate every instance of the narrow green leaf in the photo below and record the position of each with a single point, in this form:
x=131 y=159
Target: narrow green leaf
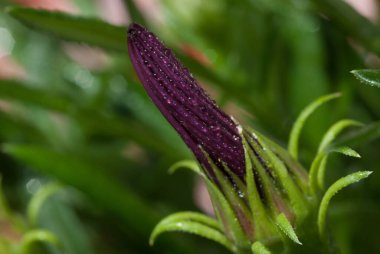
x=369 y=77
x=318 y=166
x=332 y=191
x=73 y=28
x=322 y=172
x=192 y=227
x=191 y=216
x=39 y=199
x=285 y=226
x=299 y=123
x=346 y=151
x=313 y=173
x=335 y=130
x=187 y=164
x=34 y=236
x=259 y=248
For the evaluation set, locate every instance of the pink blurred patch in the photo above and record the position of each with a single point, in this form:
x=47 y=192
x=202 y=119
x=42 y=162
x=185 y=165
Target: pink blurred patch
x=367 y=8
x=56 y=5
x=92 y=58
x=150 y=9
x=202 y=198
x=113 y=11
x=9 y=69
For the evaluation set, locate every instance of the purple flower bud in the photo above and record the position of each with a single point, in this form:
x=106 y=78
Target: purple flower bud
x=197 y=119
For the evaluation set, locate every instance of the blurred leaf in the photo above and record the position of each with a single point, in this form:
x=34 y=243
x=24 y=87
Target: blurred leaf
x=37 y=235
x=59 y=217
x=88 y=119
x=361 y=136
x=350 y=21
x=134 y=12
x=98 y=186
x=259 y=248
x=369 y=77
x=20 y=91
x=73 y=28
x=39 y=199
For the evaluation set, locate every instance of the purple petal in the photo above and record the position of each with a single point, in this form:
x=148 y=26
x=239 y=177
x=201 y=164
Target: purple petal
x=197 y=119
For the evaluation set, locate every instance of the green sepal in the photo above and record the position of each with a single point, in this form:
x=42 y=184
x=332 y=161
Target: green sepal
x=285 y=226
x=240 y=185
x=225 y=213
x=236 y=200
x=279 y=170
x=262 y=224
x=332 y=191
x=300 y=175
x=272 y=196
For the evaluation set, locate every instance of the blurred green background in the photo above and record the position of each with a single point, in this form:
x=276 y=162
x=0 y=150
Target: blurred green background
x=72 y=112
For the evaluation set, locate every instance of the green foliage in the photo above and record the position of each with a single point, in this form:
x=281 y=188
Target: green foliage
x=92 y=129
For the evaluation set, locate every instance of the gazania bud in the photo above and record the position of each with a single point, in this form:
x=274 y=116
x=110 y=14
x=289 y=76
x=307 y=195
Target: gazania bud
x=260 y=193
x=197 y=119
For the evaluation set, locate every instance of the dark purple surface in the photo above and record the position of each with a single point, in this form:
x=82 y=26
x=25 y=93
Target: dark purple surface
x=184 y=103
